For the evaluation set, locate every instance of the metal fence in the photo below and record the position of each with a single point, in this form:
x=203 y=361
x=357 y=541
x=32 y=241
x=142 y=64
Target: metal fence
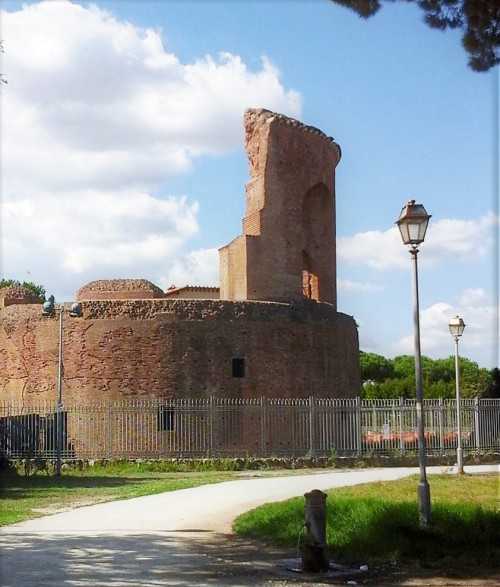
x=212 y=427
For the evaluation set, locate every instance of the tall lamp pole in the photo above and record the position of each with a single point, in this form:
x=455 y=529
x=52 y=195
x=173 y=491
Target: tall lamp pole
x=59 y=432
x=457 y=326
x=412 y=223
x=48 y=309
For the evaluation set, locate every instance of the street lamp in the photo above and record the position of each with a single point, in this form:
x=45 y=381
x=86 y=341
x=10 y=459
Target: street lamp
x=48 y=309
x=412 y=224
x=457 y=326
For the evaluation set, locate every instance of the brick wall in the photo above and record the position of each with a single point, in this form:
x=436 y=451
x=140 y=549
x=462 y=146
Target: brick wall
x=133 y=342
x=180 y=348
x=291 y=193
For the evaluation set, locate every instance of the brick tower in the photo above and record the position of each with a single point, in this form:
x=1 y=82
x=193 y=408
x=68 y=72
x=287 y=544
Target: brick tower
x=287 y=249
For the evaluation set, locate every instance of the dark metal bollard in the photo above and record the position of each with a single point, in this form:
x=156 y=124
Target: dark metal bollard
x=315 y=555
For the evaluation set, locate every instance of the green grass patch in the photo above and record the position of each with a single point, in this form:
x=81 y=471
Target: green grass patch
x=27 y=497
x=379 y=522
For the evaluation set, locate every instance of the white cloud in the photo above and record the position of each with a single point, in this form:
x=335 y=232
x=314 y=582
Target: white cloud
x=471 y=297
x=461 y=240
x=129 y=234
x=447 y=240
x=481 y=331
x=99 y=100
x=346 y=285
x=376 y=249
x=480 y=315
x=197 y=268
x=96 y=118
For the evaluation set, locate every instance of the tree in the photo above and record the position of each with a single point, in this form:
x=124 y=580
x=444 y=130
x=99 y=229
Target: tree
x=393 y=378
x=444 y=370
x=374 y=367
x=39 y=290
x=392 y=388
x=479 y=21
x=493 y=389
x=404 y=366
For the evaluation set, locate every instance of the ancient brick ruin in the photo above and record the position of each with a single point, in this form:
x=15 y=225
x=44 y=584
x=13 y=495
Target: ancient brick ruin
x=274 y=332
x=16 y=294
x=287 y=249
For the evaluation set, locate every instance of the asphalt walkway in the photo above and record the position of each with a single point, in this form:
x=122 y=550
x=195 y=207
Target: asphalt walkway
x=177 y=538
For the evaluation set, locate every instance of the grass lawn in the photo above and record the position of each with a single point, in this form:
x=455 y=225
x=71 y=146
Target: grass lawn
x=379 y=523
x=26 y=497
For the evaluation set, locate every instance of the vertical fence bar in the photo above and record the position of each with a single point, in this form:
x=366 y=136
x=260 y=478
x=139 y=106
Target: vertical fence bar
x=477 y=423
x=311 y=426
x=109 y=444
x=211 y=415
x=8 y=432
x=358 y=427
x=441 y=430
x=160 y=435
x=401 y=439
x=263 y=427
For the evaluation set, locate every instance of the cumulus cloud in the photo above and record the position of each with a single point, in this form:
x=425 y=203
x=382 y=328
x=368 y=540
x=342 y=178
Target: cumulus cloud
x=376 y=249
x=463 y=240
x=96 y=118
x=92 y=100
x=197 y=268
x=471 y=297
x=480 y=316
x=446 y=240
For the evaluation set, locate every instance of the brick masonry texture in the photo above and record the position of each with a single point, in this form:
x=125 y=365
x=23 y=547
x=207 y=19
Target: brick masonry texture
x=16 y=294
x=109 y=289
x=275 y=332
x=179 y=348
x=288 y=236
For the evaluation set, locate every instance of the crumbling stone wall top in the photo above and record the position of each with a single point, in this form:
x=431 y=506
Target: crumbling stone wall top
x=16 y=294
x=119 y=289
x=258 y=116
x=203 y=310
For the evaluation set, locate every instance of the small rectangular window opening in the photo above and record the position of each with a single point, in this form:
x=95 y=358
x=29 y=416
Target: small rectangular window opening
x=238 y=367
x=166 y=418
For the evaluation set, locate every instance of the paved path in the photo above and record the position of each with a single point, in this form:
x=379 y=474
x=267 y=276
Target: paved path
x=177 y=538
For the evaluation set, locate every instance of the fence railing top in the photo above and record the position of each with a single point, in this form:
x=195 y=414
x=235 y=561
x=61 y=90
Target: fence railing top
x=8 y=407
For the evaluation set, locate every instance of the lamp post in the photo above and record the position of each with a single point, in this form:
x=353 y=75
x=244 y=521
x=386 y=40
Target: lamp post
x=457 y=326
x=48 y=309
x=412 y=223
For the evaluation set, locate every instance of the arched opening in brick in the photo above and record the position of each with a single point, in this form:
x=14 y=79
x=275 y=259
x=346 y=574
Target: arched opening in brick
x=309 y=279
x=317 y=228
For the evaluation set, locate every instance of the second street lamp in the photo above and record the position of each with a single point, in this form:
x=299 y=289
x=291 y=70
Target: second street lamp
x=457 y=326
x=412 y=223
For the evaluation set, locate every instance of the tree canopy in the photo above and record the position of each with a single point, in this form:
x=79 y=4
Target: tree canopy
x=392 y=378
x=479 y=21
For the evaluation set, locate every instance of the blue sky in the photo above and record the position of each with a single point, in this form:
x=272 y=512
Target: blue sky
x=123 y=150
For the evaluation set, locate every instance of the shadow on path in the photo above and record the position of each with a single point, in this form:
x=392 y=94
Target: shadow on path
x=131 y=559
x=180 y=559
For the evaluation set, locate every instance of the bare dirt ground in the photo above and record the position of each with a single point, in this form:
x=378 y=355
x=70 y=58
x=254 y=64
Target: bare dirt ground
x=189 y=558
x=247 y=562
